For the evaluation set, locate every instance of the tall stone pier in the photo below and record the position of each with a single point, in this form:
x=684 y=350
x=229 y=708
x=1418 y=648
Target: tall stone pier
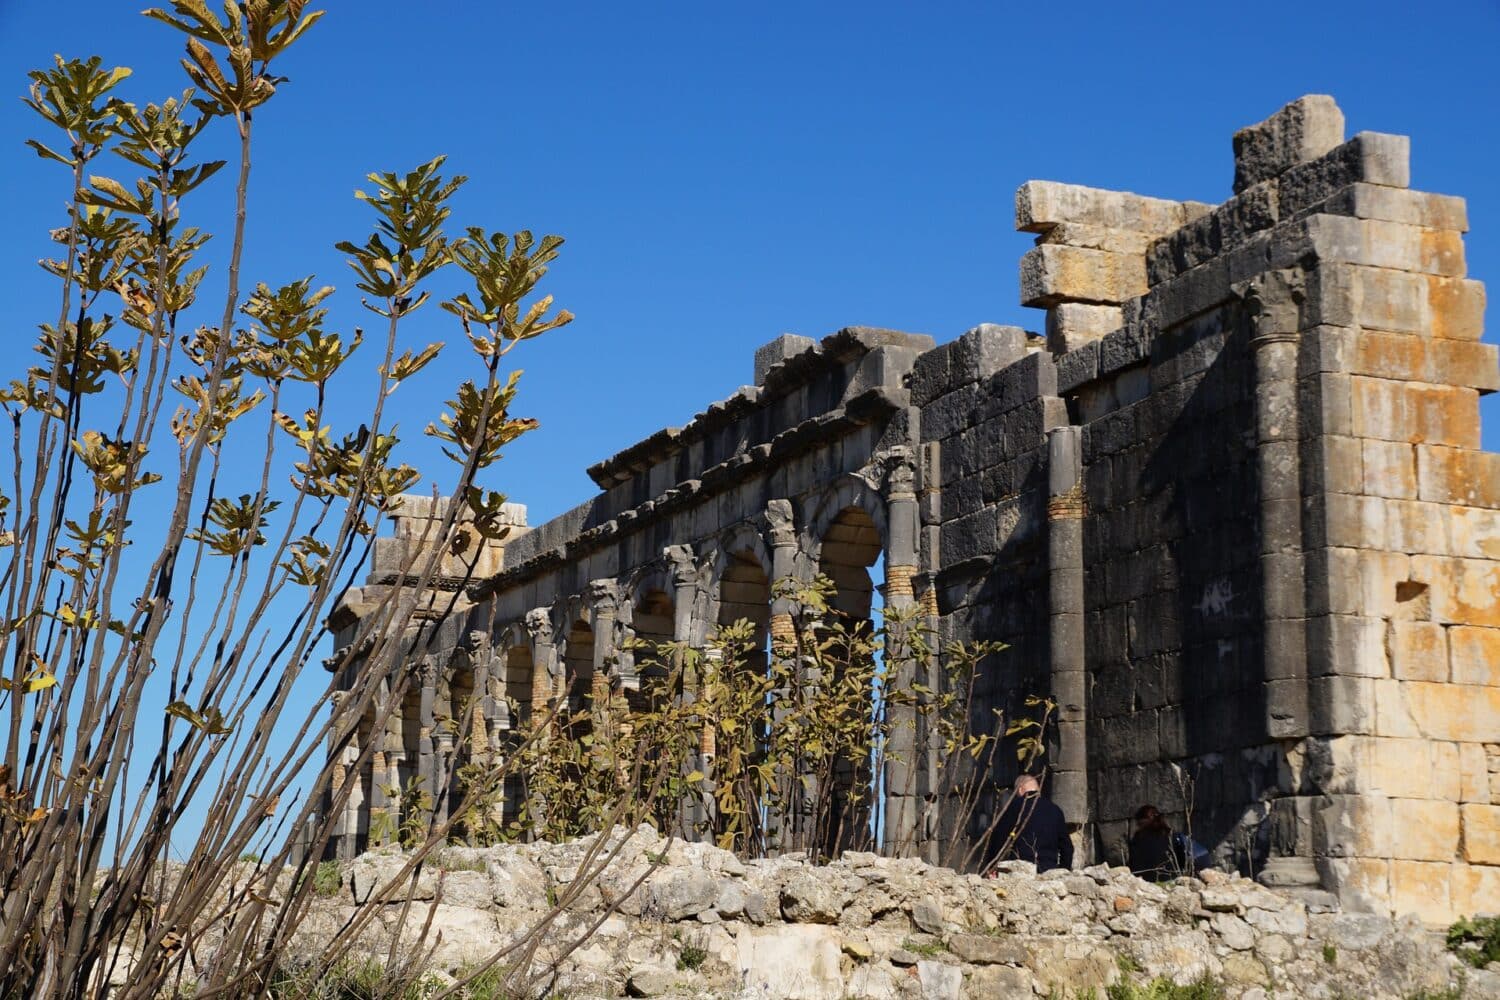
x=1228 y=509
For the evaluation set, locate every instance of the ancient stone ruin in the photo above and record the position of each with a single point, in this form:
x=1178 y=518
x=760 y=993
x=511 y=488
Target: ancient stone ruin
x=1230 y=512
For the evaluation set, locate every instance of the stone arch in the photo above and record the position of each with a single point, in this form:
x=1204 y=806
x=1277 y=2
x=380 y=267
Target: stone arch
x=514 y=688
x=844 y=537
x=653 y=621
x=578 y=670
x=838 y=502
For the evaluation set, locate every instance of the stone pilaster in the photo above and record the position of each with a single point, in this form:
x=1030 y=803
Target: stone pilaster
x=1273 y=300
x=1065 y=607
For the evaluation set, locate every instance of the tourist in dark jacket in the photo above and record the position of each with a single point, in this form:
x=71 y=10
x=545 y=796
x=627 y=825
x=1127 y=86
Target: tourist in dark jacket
x=1031 y=828
x=1156 y=852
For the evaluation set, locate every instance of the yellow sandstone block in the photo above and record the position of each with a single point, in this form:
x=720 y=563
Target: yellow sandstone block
x=1481 y=828
x=1422 y=888
x=1424 y=829
x=1459 y=712
x=1473 y=771
x=1457 y=307
x=1475 y=888
x=1463 y=591
x=1419 y=651
x=1475 y=655
x=1415 y=412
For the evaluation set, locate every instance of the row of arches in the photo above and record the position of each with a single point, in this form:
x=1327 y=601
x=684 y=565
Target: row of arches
x=576 y=653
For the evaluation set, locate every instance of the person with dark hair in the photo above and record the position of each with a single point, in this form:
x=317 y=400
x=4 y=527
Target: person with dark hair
x=1030 y=828
x=1158 y=853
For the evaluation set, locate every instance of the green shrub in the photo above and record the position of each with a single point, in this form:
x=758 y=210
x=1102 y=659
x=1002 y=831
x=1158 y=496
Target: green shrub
x=928 y=950
x=1476 y=940
x=691 y=957
x=1330 y=954
x=1163 y=988
x=327 y=879
x=451 y=861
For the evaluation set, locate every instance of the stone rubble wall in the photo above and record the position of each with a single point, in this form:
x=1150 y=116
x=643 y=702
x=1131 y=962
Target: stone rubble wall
x=871 y=927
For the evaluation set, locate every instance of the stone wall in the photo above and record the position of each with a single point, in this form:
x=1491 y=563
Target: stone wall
x=1230 y=512
x=703 y=923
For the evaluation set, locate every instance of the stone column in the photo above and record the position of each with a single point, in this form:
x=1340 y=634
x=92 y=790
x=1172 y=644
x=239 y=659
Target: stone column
x=544 y=665
x=1065 y=509
x=605 y=598
x=1273 y=300
x=904 y=778
x=693 y=814
x=385 y=769
x=547 y=683
x=781 y=532
x=427 y=760
x=480 y=717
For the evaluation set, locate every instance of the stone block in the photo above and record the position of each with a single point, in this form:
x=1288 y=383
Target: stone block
x=1475 y=889
x=1422 y=888
x=1458 y=712
x=1342 y=468
x=1078 y=367
x=1419 y=651
x=1391 y=300
x=1303 y=130
x=1481 y=832
x=1464 y=363
x=1389 y=469
x=1473 y=774
x=1090 y=237
x=985 y=350
x=1054 y=274
x=1363 y=884
x=1415 y=412
x=1072 y=324
x=1352 y=826
x=1399 y=768
x=1043 y=205
x=1474 y=532
x=1374 y=584
x=931 y=375
x=1025 y=381
x=1341 y=704
x=1340 y=239
x=1370 y=157
x=774 y=353
x=1411 y=208
x=1458 y=476
x=1393 y=712
x=1474 y=655
x=1463 y=591
x=1424 y=830
x=1456 y=306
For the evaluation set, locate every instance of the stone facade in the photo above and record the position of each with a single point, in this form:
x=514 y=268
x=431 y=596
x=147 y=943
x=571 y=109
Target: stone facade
x=1231 y=513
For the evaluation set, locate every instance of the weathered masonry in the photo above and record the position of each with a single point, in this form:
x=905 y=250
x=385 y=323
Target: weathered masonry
x=1231 y=512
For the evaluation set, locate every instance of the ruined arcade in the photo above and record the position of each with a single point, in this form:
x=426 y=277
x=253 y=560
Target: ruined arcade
x=1230 y=511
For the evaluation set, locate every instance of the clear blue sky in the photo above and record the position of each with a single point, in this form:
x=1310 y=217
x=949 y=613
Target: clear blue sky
x=727 y=172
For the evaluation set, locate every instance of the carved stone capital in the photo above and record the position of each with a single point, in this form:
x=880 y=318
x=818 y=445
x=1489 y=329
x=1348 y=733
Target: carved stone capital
x=683 y=565
x=1274 y=301
x=538 y=623
x=780 y=526
x=899 y=466
x=605 y=597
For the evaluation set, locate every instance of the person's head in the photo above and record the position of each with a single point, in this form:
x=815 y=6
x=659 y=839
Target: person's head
x=1148 y=817
x=1027 y=784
